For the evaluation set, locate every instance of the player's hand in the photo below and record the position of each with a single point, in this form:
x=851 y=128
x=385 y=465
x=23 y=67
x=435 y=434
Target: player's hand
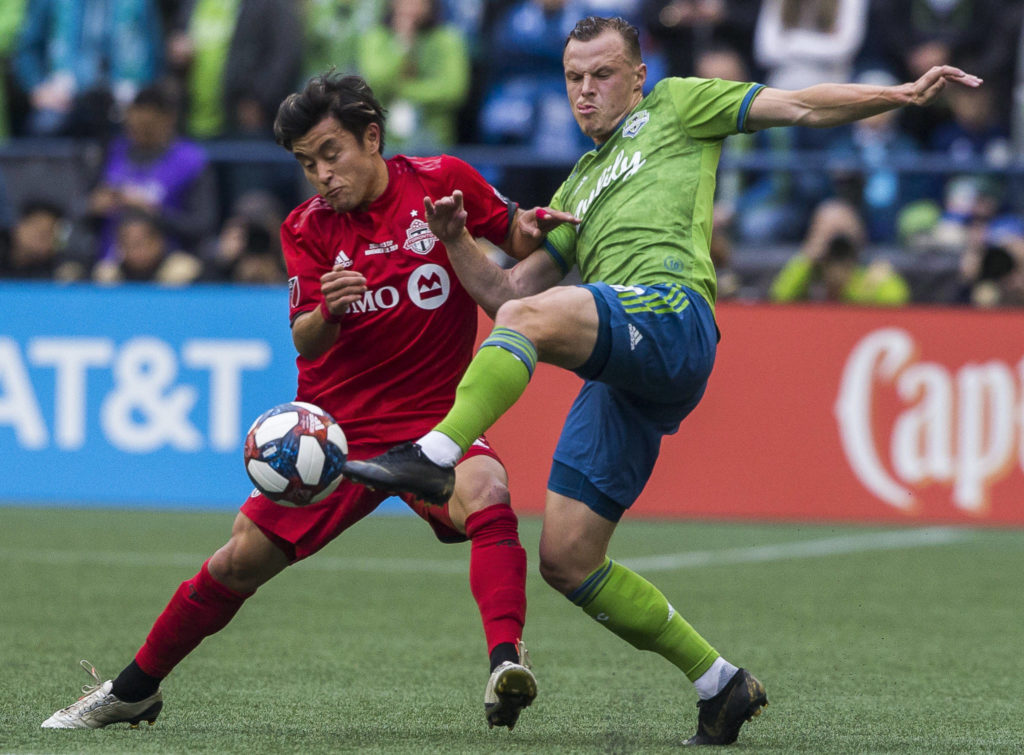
x=446 y=217
x=927 y=88
x=341 y=288
x=540 y=221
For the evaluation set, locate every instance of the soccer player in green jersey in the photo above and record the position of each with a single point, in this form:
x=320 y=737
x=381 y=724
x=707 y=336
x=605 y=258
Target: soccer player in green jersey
x=635 y=217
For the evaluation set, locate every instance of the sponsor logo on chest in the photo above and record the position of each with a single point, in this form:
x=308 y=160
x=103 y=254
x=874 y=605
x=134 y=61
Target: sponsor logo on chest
x=427 y=287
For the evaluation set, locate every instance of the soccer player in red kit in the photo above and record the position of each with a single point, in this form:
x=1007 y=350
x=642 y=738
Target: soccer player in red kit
x=384 y=332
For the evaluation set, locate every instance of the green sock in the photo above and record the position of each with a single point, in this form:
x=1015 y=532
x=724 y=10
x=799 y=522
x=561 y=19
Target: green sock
x=494 y=381
x=636 y=611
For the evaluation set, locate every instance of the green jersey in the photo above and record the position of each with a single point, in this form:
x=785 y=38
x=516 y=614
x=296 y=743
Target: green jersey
x=645 y=196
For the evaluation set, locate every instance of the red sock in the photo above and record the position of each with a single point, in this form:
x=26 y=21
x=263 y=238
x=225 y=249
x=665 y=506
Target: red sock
x=200 y=607
x=497 y=573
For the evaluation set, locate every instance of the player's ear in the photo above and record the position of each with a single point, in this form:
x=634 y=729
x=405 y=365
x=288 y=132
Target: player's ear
x=641 y=75
x=371 y=138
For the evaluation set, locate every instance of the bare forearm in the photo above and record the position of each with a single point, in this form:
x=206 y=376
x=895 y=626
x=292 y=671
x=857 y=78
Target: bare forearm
x=836 y=104
x=312 y=335
x=489 y=284
x=825 y=105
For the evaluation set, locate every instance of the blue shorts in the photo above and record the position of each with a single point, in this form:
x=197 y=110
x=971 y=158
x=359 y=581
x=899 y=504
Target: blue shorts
x=654 y=353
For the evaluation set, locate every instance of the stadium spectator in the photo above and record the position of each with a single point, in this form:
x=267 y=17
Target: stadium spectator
x=525 y=104
x=828 y=266
x=79 y=59
x=152 y=169
x=32 y=248
x=910 y=36
x=865 y=175
x=684 y=29
x=12 y=13
x=238 y=59
x=975 y=133
x=143 y=253
x=800 y=43
x=419 y=66
x=382 y=375
x=332 y=29
x=248 y=247
x=992 y=265
x=640 y=331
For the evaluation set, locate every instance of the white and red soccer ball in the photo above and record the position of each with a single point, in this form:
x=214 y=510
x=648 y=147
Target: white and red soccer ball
x=294 y=453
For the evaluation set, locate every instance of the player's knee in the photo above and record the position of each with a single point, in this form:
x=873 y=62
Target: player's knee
x=523 y=316
x=489 y=491
x=558 y=571
x=243 y=568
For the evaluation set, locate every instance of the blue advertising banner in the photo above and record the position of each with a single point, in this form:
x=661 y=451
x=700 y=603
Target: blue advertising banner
x=136 y=394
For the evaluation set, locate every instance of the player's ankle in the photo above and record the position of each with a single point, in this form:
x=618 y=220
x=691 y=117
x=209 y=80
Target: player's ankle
x=440 y=449
x=504 y=651
x=134 y=684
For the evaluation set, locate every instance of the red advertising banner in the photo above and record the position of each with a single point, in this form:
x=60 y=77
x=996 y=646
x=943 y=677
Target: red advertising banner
x=826 y=413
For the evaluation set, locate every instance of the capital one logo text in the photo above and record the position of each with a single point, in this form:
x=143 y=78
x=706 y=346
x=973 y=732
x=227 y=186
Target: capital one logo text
x=959 y=426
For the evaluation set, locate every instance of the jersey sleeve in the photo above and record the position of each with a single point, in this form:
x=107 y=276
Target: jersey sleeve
x=489 y=213
x=560 y=243
x=304 y=269
x=712 y=108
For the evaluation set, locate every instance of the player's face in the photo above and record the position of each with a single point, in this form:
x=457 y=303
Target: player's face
x=346 y=171
x=603 y=83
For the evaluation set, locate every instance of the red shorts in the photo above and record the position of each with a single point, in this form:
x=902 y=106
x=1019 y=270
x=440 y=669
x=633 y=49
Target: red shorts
x=302 y=531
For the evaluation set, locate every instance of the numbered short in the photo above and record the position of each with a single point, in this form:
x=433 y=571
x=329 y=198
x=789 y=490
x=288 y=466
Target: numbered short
x=302 y=531
x=655 y=350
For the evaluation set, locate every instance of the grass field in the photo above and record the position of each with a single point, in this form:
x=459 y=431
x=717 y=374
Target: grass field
x=868 y=640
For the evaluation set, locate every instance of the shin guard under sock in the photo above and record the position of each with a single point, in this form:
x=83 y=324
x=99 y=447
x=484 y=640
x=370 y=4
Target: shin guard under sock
x=497 y=573
x=200 y=607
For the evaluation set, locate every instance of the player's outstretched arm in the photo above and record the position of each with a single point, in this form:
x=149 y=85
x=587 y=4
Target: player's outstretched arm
x=825 y=105
x=488 y=283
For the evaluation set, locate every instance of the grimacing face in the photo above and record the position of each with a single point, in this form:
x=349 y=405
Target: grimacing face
x=602 y=82
x=342 y=168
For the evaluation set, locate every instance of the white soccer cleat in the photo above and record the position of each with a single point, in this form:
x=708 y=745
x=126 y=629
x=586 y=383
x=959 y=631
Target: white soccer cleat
x=511 y=688
x=99 y=707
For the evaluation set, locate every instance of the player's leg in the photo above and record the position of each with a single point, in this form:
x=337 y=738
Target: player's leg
x=573 y=560
x=480 y=510
x=660 y=345
x=558 y=326
x=200 y=607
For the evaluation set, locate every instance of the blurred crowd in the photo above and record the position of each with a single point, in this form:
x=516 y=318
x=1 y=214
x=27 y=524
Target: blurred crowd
x=145 y=87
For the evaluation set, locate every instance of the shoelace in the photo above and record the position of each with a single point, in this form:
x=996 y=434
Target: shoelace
x=524 y=655
x=88 y=689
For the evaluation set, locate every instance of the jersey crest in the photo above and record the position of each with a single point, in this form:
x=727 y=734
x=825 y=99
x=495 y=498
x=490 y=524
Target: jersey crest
x=634 y=123
x=419 y=238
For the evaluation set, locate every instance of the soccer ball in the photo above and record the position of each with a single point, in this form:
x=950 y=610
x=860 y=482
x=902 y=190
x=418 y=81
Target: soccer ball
x=294 y=453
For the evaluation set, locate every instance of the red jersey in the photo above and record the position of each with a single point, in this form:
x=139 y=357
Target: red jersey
x=401 y=350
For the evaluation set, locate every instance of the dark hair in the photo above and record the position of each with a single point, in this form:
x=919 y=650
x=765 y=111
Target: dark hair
x=593 y=27
x=37 y=205
x=158 y=96
x=841 y=249
x=348 y=99
x=996 y=263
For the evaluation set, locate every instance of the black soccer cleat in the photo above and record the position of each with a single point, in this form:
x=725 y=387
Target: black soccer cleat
x=404 y=469
x=720 y=718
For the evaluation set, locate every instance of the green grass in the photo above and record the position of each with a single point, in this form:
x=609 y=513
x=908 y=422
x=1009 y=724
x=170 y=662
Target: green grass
x=887 y=650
